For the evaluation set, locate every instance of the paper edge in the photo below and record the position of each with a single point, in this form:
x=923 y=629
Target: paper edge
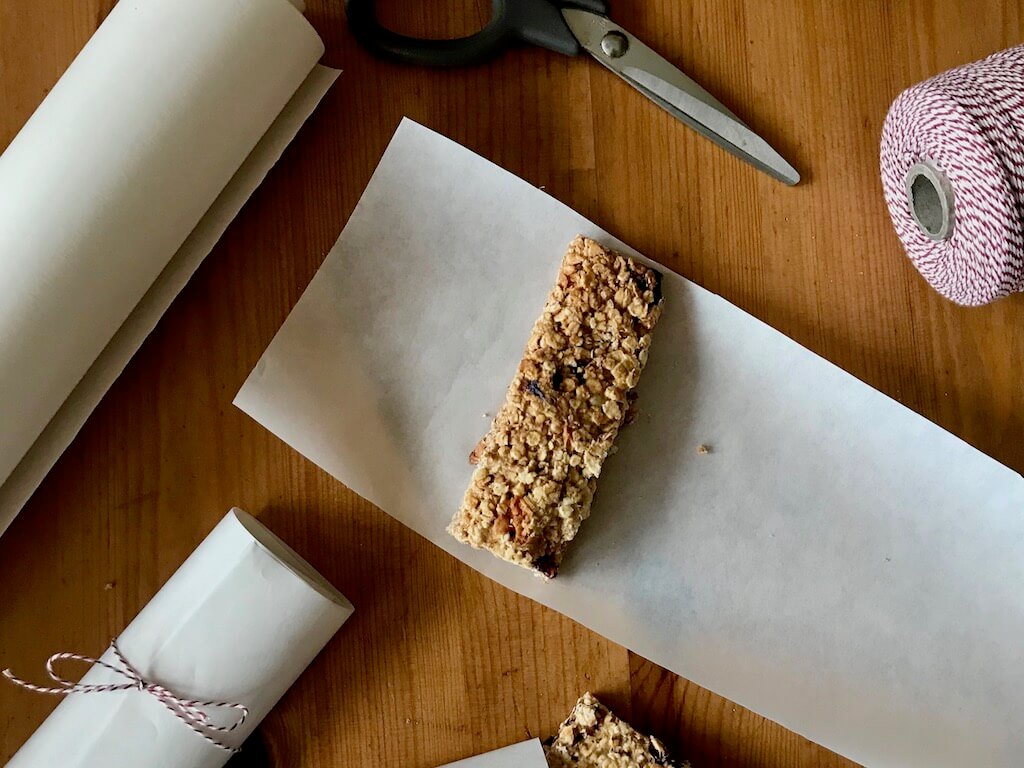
x=537 y=758
x=65 y=425
x=289 y=558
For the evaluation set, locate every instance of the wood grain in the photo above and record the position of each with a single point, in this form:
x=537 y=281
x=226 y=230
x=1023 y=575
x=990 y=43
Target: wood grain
x=440 y=663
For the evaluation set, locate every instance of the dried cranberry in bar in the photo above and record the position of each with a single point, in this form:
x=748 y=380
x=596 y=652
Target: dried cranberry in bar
x=537 y=468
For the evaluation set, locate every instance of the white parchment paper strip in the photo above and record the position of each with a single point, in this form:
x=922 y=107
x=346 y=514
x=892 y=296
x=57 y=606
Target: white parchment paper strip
x=117 y=188
x=528 y=754
x=837 y=563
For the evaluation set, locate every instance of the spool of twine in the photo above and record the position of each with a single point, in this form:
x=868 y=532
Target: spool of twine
x=953 y=174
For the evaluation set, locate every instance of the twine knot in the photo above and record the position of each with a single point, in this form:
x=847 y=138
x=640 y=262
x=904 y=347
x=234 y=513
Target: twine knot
x=191 y=712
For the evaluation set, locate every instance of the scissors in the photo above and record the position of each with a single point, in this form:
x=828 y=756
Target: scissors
x=571 y=27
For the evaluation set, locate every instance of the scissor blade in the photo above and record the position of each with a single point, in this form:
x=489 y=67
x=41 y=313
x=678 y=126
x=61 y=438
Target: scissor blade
x=670 y=88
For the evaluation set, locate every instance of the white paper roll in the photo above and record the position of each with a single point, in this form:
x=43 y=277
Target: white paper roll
x=239 y=621
x=127 y=157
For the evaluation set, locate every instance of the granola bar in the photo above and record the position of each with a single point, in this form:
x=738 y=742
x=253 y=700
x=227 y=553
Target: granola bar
x=593 y=737
x=537 y=468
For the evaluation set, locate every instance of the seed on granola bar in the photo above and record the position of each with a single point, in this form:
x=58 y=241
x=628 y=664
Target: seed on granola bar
x=478 y=449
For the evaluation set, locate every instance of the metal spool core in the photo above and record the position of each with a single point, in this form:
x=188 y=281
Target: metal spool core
x=931 y=201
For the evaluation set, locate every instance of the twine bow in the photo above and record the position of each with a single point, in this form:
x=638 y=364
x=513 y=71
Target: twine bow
x=191 y=712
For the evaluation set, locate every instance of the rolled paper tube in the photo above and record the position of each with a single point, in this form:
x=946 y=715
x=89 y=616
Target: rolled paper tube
x=116 y=189
x=236 y=624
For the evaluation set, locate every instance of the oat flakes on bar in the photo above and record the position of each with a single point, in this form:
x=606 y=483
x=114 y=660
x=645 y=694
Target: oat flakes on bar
x=593 y=737
x=537 y=468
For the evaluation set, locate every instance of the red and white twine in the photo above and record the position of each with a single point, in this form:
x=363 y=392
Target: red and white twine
x=191 y=712
x=969 y=123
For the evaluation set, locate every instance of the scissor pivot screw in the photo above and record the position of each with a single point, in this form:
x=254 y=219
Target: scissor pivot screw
x=615 y=45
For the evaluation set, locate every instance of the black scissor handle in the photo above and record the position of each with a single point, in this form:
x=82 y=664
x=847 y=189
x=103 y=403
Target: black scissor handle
x=539 y=22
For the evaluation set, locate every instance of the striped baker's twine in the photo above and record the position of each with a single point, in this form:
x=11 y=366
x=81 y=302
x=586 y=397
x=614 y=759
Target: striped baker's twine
x=190 y=711
x=969 y=123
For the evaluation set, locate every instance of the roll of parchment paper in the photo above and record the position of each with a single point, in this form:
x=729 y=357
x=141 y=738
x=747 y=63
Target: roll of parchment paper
x=239 y=621
x=118 y=187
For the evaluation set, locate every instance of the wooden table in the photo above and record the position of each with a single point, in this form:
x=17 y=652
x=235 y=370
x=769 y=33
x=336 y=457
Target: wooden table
x=440 y=663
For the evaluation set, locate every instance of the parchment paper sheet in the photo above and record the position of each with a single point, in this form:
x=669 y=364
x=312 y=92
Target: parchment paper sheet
x=239 y=621
x=528 y=754
x=118 y=187
x=837 y=563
